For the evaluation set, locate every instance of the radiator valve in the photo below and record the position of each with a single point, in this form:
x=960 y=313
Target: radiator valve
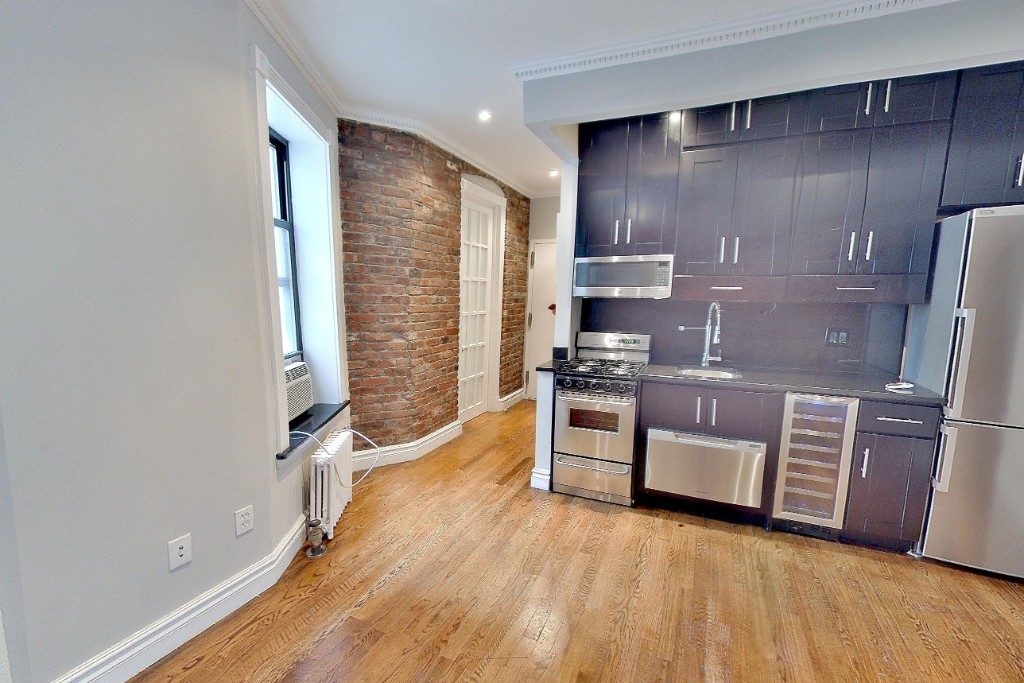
x=315 y=536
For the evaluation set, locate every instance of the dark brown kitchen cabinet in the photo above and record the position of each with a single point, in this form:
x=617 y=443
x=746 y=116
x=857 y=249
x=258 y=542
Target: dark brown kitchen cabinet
x=627 y=186
x=867 y=207
x=700 y=409
x=736 y=207
x=891 y=471
x=753 y=119
x=986 y=149
x=911 y=99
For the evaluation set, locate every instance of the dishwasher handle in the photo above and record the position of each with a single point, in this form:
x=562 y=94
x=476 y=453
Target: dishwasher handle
x=705 y=441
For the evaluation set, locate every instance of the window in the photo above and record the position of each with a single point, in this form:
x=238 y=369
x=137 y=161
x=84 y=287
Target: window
x=284 y=242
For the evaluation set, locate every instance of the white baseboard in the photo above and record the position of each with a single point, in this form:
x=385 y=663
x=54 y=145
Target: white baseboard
x=392 y=455
x=512 y=399
x=135 y=653
x=540 y=479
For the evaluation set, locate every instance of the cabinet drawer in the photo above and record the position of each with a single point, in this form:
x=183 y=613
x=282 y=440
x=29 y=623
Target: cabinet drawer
x=898 y=419
x=898 y=289
x=728 y=288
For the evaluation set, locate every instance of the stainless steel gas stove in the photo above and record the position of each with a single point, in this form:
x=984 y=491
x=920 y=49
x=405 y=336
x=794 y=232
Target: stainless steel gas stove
x=595 y=416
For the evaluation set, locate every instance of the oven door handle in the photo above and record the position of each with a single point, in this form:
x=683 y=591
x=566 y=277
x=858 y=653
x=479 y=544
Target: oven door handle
x=561 y=461
x=581 y=398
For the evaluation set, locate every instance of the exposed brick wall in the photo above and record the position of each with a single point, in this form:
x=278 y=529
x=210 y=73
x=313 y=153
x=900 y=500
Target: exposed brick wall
x=401 y=222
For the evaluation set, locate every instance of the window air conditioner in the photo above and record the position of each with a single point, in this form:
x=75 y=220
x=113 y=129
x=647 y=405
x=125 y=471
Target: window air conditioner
x=299 y=385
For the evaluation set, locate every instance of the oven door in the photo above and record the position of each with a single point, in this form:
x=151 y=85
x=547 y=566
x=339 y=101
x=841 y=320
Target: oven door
x=592 y=426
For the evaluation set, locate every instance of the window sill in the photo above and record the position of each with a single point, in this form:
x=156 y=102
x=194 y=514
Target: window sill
x=319 y=415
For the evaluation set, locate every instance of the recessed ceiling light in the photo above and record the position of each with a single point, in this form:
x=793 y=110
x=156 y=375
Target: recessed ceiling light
x=553 y=173
x=484 y=115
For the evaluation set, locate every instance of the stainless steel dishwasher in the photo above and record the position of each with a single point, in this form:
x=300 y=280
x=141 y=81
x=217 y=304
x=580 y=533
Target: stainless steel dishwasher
x=706 y=467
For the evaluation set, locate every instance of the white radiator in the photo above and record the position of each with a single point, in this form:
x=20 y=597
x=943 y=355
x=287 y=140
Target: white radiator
x=328 y=468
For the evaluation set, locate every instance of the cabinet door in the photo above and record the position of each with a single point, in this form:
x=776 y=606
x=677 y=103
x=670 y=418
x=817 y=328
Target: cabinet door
x=888 y=488
x=675 y=406
x=652 y=181
x=904 y=183
x=707 y=188
x=764 y=208
x=840 y=107
x=987 y=143
x=736 y=414
x=713 y=125
x=833 y=185
x=772 y=117
x=601 y=204
x=914 y=99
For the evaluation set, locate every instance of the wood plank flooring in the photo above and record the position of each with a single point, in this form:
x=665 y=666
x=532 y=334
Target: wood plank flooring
x=452 y=568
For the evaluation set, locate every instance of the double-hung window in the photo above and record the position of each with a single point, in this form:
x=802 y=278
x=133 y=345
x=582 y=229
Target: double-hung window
x=284 y=242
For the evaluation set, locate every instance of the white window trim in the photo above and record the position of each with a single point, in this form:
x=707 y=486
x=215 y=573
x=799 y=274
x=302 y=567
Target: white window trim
x=316 y=248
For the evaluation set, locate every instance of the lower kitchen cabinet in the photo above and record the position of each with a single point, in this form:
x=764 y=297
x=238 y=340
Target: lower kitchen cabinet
x=890 y=474
x=718 y=412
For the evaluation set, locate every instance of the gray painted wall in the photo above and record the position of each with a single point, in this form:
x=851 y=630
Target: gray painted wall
x=132 y=363
x=543 y=217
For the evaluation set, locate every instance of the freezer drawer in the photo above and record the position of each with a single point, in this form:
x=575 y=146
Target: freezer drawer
x=598 y=479
x=706 y=467
x=976 y=510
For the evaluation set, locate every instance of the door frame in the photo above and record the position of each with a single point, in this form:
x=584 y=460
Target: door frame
x=529 y=337
x=473 y=192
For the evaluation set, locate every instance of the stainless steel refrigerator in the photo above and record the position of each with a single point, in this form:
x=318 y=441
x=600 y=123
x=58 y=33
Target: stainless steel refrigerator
x=967 y=343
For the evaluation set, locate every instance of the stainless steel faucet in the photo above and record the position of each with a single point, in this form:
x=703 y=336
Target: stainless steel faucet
x=710 y=338
x=712 y=334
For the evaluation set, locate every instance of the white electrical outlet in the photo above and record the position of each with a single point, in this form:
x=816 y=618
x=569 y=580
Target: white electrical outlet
x=179 y=551
x=243 y=520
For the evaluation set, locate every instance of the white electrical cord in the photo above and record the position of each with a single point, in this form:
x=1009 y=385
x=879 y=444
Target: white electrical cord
x=361 y=436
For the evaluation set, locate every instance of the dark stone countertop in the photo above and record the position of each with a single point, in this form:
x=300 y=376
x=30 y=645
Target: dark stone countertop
x=871 y=387
x=318 y=416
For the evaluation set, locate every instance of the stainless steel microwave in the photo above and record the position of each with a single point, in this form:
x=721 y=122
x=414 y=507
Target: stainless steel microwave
x=626 y=277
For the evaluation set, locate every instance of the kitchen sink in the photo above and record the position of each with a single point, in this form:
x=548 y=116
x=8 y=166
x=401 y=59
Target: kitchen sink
x=700 y=372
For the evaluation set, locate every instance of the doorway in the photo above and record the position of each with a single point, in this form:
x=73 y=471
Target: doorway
x=480 y=276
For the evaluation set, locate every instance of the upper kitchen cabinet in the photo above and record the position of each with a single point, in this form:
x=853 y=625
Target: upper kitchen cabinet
x=911 y=99
x=627 y=186
x=867 y=208
x=754 y=119
x=986 y=150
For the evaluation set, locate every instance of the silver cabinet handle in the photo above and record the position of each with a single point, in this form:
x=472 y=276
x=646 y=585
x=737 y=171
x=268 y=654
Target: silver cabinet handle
x=867 y=107
x=698 y=410
x=629 y=230
x=714 y=409
x=562 y=461
x=902 y=420
x=725 y=288
x=854 y=289
x=1020 y=172
x=871 y=239
x=736 y=250
x=616 y=240
x=888 y=92
x=732 y=118
x=750 y=112
x=853 y=242
x=947 y=449
x=721 y=251
x=864 y=465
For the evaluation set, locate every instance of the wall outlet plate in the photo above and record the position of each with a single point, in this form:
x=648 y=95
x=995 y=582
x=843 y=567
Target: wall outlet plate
x=179 y=552
x=836 y=337
x=243 y=521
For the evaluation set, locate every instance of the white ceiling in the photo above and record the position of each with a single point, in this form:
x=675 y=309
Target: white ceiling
x=430 y=65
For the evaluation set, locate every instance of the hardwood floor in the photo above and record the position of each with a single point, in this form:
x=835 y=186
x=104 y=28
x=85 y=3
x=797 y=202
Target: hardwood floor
x=452 y=568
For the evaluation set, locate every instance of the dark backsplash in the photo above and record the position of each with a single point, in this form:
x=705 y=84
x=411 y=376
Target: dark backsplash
x=780 y=336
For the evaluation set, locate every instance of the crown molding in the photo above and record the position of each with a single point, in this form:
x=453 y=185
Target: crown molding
x=312 y=71
x=720 y=34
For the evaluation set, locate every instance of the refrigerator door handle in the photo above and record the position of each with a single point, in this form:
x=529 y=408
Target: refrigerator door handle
x=961 y=358
x=947 y=449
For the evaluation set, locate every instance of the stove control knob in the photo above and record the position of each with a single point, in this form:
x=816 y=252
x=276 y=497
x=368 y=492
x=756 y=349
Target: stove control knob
x=580 y=384
x=607 y=386
x=566 y=382
x=596 y=386
x=622 y=388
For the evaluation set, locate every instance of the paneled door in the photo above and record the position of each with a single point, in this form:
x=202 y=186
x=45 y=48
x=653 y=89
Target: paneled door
x=474 y=291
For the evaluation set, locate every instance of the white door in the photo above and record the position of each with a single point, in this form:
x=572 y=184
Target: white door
x=540 y=317
x=474 y=284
